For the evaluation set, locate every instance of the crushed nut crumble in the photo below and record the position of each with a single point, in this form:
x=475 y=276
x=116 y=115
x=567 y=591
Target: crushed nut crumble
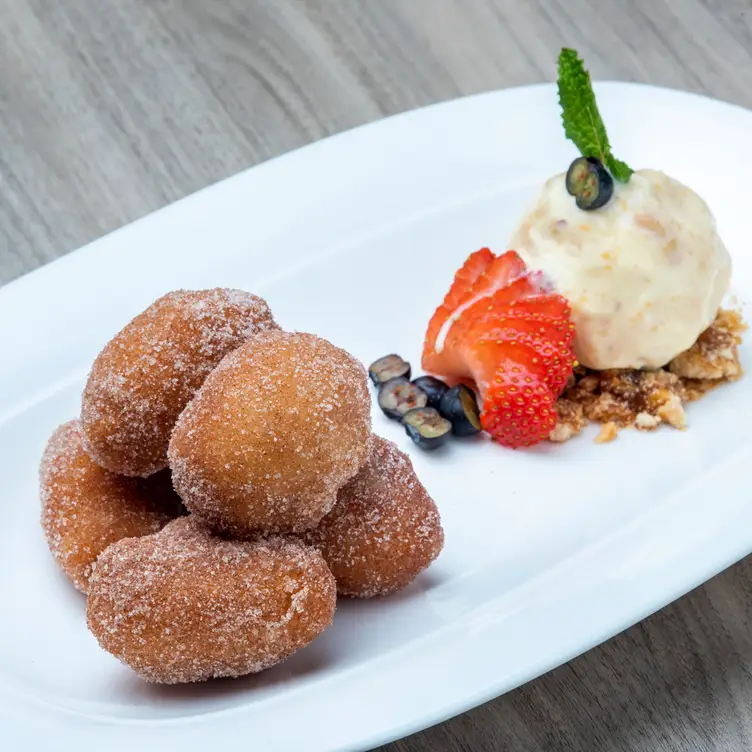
x=645 y=399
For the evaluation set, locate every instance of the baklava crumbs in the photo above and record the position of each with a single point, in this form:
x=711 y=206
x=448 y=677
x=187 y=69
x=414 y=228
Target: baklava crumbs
x=645 y=399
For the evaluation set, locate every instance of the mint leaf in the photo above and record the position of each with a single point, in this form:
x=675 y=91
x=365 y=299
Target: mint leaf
x=620 y=170
x=582 y=121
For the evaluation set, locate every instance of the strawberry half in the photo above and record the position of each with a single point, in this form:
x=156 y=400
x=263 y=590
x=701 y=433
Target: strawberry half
x=512 y=336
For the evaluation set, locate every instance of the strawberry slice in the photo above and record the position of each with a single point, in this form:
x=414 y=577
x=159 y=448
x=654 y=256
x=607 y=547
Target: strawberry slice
x=553 y=358
x=517 y=404
x=502 y=350
x=487 y=311
x=482 y=271
x=505 y=278
x=501 y=272
x=538 y=357
x=463 y=282
x=547 y=305
x=518 y=412
x=467 y=276
x=551 y=336
x=555 y=347
x=513 y=337
x=515 y=309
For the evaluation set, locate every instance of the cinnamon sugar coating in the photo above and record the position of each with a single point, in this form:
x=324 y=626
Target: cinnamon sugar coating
x=384 y=530
x=86 y=508
x=145 y=376
x=185 y=606
x=278 y=427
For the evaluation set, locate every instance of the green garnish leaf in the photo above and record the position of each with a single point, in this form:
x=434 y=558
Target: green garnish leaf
x=579 y=114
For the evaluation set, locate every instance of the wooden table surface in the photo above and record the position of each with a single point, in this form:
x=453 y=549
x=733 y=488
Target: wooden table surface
x=110 y=109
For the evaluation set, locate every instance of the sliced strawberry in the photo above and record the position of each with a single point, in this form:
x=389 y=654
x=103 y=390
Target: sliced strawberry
x=487 y=311
x=517 y=406
x=550 y=305
x=518 y=409
x=553 y=361
x=497 y=351
x=545 y=322
x=480 y=275
x=463 y=282
x=467 y=276
x=444 y=330
x=555 y=343
x=501 y=272
x=510 y=335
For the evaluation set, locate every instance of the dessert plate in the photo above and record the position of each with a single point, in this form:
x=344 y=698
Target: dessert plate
x=548 y=551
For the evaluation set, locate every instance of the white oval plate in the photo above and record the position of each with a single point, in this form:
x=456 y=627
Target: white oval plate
x=548 y=551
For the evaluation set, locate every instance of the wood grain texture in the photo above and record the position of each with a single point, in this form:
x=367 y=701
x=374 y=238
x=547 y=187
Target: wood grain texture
x=110 y=109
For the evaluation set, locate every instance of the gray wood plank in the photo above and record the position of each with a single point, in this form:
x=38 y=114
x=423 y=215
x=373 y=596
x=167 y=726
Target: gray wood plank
x=110 y=109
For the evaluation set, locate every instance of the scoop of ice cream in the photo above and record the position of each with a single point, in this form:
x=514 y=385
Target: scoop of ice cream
x=644 y=274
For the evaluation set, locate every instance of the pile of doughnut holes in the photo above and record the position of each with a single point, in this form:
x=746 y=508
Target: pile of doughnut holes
x=222 y=487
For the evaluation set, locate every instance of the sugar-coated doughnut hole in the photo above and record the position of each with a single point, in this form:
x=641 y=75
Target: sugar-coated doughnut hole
x=149 y=371
x=384 y=530
x=277 y=428
x=86 y=508
x=185 y=606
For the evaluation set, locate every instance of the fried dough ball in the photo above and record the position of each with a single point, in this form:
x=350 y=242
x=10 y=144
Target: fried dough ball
x=280 y=425
x=85 y=508
x=185 y=606
x=384 y=530
x=150 y=370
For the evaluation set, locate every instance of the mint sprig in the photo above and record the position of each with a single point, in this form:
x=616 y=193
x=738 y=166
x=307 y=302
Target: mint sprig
x=583 y=124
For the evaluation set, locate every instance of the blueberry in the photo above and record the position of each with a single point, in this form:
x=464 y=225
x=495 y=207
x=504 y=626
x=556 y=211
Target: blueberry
x=387 y=368
x=460 y=406
x=398 y=396
x=434 y=388
x=589 y=182
x=426 y=427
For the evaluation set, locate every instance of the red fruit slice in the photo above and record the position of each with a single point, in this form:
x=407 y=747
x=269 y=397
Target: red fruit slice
x=501 y=272
x=501 y=351
x=553 y=360
x=518 y=409
x=463 y=282
x=549 y=305
x=517 y=406
x=504 y=281
x=509 y=334
x=467 y=276
x=545 y=322
x=488 y=311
